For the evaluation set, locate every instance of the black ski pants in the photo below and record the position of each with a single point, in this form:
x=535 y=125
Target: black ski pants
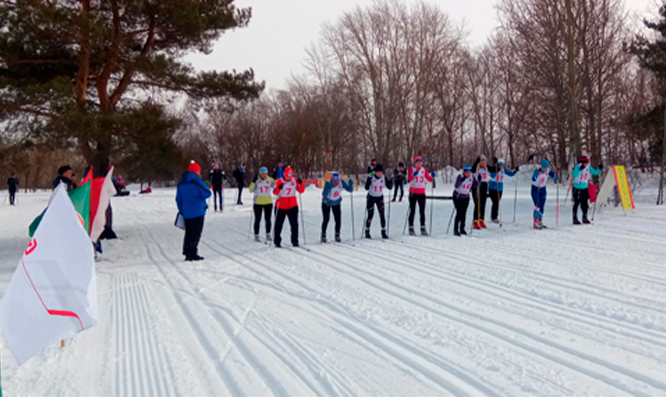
x=413 y=200
x=399 y=185
x=581 y=198
x=12 y=196
x=495 y=197
x=326 y=210
x=217 y=197
x=370 y=208
x=240 y=194
x=292 y=214
x=480 y=200
x=267 y=210
x=461 y=205
x=193 y=229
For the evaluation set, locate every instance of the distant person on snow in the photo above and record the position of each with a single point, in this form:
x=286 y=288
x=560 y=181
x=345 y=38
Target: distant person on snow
x=66 y=176
x=376 y=185
x=12 y=184
x=262 y=187
x=191 y=197
x=399 y=176
x=496 y=186
x=539 y=182
x=331 y=201
x=239 y=175
x=371 y=167
x=286 y=190
x=581 y=195
x=278 y=172
x=480 y=194
x=418 y=176
x=216 y=177
x=465 y=183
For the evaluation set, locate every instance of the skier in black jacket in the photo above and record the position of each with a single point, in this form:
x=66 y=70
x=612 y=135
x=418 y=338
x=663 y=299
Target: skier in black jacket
x=399 y=177
x=12 y=183
x=216 y=176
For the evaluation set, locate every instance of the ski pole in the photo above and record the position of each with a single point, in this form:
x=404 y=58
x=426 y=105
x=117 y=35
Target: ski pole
x=249 y=228
x=432 y=203
x=351 y=194
x=557 y=210
x=388 y=221
x=515 y=199
x=453 y=211
x=407 y=213
x=300 y=205
x=365 y=221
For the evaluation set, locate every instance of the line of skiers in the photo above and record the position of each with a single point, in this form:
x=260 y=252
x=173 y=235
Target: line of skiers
x=479 y=182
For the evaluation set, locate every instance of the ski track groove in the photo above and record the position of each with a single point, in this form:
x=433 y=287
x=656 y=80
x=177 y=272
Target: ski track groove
x=275 y=385
x=532 y=300
x=415 y=352
x=570 y=351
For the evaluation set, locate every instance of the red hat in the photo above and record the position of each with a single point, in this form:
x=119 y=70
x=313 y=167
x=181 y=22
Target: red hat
x=417 y=158
x=288 y=172
x=194 y=167
x=584 y=159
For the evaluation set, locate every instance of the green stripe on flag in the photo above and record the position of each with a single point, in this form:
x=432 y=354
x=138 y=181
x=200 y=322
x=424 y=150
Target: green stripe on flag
x=81 y=199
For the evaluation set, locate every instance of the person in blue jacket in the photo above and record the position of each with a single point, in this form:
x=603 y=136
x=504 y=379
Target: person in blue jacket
x=331 y=200
x=496 y=186
x=191 y=199
x=539 y=182
x=581 y=196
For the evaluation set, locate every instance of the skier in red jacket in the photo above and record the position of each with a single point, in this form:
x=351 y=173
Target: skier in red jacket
x=286 y=190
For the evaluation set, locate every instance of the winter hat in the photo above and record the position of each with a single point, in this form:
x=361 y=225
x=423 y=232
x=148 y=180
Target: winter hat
x=401 y=164
x=417 y=158
x=500 y=162
x=545 y=163
x=288 y=172
x=263 y=170
x=584 y=159
x=194 y=167
x=379 y=168
x=467 y=168
x=335 y=177
x=63 y=169
x=482 y=158
x=279 y=161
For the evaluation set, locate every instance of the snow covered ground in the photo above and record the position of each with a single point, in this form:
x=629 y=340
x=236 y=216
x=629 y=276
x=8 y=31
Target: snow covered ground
x=506 y=311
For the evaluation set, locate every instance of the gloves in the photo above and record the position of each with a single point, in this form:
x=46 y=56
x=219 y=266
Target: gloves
x=517 y=169
x=279 y=187
x=351 y=182
x=477 y=161
x=415 y=174
x=601 y=166
x=256 y=176
x=432 y=174
x=495 y=160
x=300 y=181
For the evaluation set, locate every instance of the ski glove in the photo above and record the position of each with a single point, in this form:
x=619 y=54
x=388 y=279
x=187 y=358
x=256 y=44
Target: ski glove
x=351 y=183
x=517 y=169
x=601 y=166
x=300 y=181
x=279 y=187
x=415 y=174
x=432 y=174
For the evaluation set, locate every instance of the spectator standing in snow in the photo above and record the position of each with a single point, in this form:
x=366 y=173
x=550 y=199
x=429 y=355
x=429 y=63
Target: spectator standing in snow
x=286 y=190
x=12 y=184
x=376 y=185
x=239 y=175
x=418 y=176
x=191 y=197
x=539 y=182
x=465 y=183
x=331 y=201
x=399 y=176
x=581 y=195
x=66 y=176
x=496 y=186
x=262 y=186
x=371 y=167
x=480 y=194
x=278 y=172
x=216 y=176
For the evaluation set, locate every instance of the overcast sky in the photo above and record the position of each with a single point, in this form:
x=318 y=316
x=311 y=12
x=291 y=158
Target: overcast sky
x=274 y=43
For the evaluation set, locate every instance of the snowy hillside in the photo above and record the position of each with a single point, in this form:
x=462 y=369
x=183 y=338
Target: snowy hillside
x=505 y=311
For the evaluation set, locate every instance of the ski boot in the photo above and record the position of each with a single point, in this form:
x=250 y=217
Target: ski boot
x=367 y=233
x=337 y=238
x=542 y=226
x=477 y=225
x=576 y=221
x=268 y=238
x=323 y=238
x=411 y=231
x=586 y=221
x=463 y=232
x=496 y=221
x=456 y=233
x=384 y=234
x=482 y=223
x=256 y=238
x=423 y=231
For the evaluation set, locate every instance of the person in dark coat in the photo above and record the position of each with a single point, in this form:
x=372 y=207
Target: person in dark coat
x=191 y=199
x=216 y=178
x=399 y=177
x=12 y=184
x=239 y=174
x=278 y=172
x=372 y=166
x=66 y=176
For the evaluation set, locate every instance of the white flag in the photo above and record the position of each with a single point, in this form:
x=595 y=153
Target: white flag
x=53 y=293
x=106 y=191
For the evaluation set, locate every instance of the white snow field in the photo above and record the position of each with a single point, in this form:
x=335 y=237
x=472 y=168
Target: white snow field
x=506 y=311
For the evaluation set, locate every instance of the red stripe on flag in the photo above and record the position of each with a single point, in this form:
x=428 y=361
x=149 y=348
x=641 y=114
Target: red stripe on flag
x=63 y=313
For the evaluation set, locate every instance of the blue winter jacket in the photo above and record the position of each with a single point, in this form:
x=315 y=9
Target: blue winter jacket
x=191 y=196
x=493 y=185
x=327 y=189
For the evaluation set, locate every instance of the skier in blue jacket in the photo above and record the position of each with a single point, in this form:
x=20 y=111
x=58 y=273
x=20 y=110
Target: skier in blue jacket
x=539 y=182
x=191 y=199
x=331 y=200
x=496 y=186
